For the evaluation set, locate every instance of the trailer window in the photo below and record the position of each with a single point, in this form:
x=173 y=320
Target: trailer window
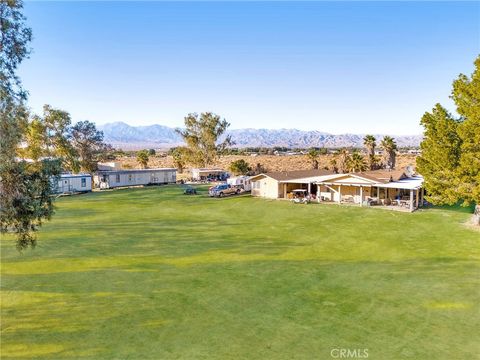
x=84 y=182
x=117 y=178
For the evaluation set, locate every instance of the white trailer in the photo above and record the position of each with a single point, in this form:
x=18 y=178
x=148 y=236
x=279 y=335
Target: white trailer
x=242 y=181
x=204 y=174
x=73 y=183
x=108 y=179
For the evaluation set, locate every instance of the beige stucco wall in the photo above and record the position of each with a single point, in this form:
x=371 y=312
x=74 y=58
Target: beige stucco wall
x=268 y=188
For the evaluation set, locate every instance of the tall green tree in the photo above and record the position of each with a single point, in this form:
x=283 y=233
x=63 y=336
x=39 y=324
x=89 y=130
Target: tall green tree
x=202 y=135
x=142 y=158
x=450 y=160
x=466 y=95
x=25 y=187
x=389 y=147
x=440 y=155
x=312 y=156
x=88 y=143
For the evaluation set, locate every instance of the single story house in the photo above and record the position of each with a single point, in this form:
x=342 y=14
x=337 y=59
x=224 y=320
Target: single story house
x=278 y=185
x=376 y=187
x=107 y=179
x=73 y=183
x=209 y=174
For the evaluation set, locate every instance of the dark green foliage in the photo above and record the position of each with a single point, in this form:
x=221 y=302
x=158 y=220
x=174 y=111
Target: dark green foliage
x=440 y=155
x=25 y=188
x=450 y=160
x=14 y=40
x=240 y=167
x=26 y=198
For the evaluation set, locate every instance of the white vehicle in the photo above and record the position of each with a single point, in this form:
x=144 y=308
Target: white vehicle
x=240 y=181
x=300 y=196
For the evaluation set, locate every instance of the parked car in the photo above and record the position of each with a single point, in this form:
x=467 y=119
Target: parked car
x=223 y=190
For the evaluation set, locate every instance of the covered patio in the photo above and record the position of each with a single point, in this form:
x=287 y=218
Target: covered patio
x=406 y=193
x=310 y=184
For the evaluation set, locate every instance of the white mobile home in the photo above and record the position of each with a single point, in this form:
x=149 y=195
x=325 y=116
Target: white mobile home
x=243 y=181
x=73 y=183
x=107 y=179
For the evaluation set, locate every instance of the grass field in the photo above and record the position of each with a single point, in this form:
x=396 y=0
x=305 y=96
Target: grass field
x=152 y=274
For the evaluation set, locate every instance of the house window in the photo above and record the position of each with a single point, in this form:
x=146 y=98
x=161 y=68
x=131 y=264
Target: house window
x=117 y=178
x=84 y=182
x=129 y=177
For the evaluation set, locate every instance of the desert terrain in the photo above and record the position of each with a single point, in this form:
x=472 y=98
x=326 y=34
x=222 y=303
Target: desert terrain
x=268 y=162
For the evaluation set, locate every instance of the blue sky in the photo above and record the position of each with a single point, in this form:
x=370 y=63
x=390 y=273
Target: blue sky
x=339 y=67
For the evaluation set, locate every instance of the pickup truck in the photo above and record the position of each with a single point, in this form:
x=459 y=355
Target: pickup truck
x=223 y=190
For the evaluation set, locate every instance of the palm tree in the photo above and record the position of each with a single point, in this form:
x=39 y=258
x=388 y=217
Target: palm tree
x=343 y=156
x=389 y=147
x=369 y=142
x=333 y=165
x=356 y=162
x=313 y=157
x=142 y=158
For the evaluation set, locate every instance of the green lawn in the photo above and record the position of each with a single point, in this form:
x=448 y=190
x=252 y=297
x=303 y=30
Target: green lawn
x=152 y=274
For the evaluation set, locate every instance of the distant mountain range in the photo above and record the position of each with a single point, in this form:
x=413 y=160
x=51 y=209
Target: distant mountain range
x=128 y=137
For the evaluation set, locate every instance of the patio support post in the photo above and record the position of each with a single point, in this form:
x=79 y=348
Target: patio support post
x=319 y=197
x=339 y=194
x=309 y=188
x=411 y=200
x=416 y=198
x=284 y=191
x=421 y=197
x=361 y=195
